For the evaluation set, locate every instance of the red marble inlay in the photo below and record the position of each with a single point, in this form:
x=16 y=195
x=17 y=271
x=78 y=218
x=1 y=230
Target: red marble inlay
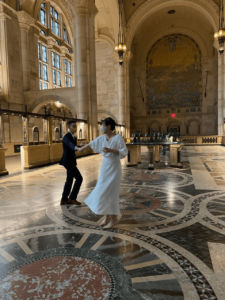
x=146 y=177
x=57 y=278
x=133 y=203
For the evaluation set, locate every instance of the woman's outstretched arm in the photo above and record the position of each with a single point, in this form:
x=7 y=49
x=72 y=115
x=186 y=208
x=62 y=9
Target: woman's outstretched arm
x=83 y=148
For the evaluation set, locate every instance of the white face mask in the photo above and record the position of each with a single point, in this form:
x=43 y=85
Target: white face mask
x=103 y=129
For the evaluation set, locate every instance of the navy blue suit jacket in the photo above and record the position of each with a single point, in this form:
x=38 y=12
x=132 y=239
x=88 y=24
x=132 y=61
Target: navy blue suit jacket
x=69 y=156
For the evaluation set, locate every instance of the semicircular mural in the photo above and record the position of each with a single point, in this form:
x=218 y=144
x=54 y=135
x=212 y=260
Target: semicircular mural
x=173 y=73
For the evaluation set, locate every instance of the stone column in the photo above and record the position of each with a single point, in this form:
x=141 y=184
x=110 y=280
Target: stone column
x=49 y=130
x=25 y=21
x=93 y=83
x=122 y=93
x=4 y=66
x=128 y=58
x=50 y=44
x=45 y=130
x=25 y=131
x=84 y=61
x=220 y=94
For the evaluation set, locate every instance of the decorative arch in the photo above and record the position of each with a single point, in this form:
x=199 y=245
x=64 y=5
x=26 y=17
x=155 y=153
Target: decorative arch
x=107 y=39
x=173 y=120
x=175 y=30
x=35 y=106
x=189 y=121
x=154 y=121
x=104 y=111
x=208 y=8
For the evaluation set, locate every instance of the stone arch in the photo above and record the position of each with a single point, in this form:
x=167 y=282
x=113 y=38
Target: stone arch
x=154 y=121
x=104 y=111
x=66 y=12
x=36 y=105
x=175 y=30
x=208 y=8
x=107 y=39
x=188 y=122
x=173 y=120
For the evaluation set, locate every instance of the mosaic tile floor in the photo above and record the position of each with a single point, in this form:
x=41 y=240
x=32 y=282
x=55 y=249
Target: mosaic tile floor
x=168 y=245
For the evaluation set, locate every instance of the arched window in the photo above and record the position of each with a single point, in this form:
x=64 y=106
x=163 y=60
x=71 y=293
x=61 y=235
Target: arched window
x=55 y=64
x=35 y=135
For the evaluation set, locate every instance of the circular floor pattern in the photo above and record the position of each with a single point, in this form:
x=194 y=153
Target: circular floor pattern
x=134 y=203
x=140 y=206
x=146 y=177
x=65 y=274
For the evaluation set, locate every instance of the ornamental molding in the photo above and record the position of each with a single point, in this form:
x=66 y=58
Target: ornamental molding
x=208 y=8
x=25 y=19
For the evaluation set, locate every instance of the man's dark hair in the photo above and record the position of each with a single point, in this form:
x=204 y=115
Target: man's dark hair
x=70 y=122
x=109 y=121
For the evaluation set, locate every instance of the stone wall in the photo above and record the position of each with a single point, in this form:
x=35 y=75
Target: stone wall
x=107 y=80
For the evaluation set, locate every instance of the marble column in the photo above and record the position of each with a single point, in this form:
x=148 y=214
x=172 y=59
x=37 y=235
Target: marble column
x=25 y=22
x=122 y=93
x=93 y=82
x=4 y=65
x=128 y=58
x=220 y=94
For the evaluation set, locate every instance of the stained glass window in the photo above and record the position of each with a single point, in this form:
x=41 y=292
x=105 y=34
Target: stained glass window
x=58 y=78
x=69 y=68
x=53 y=59
x=39 y=51
x=65 y=63
x=44 y=53
x=54 y=76
x=66 y=85
x=43 y=32
x=40 y=85
x=58 y=61
x=39 y=70
x=56 y=15
x=45 y=86
x=43 y=17
x=70 y=82
x=57 y=28
x=45 y=72
x=52 y=25
x=51 y=10
x=43 y=5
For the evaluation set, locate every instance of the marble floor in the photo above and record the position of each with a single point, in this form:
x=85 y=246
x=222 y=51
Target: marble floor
x=169 y=243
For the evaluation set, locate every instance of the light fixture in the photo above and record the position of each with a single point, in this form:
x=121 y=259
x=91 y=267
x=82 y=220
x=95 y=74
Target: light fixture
x=220 y=35
x=120 y=47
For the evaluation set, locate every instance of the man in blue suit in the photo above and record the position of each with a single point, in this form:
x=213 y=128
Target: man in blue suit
x=70 y=163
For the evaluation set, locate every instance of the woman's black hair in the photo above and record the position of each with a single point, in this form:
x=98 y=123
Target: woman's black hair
x=109 y=121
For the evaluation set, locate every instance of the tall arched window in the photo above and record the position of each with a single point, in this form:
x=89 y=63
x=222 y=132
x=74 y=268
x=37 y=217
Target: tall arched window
x=55 y=53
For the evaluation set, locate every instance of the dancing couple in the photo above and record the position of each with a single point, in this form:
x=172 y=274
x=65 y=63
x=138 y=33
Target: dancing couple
x=104 y=199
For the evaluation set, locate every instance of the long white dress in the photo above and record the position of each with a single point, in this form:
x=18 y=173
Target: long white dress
x=104 y=199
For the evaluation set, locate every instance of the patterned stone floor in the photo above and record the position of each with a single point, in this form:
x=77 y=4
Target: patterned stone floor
x=169 y=244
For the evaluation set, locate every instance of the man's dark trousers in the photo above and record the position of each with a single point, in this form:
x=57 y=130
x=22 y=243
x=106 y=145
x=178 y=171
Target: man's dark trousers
x=69 y=162
x=72 y=173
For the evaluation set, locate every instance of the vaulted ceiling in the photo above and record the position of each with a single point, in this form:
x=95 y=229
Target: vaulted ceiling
x=130 y=6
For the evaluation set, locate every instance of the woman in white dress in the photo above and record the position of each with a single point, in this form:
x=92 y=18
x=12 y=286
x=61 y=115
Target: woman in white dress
x=104 y=199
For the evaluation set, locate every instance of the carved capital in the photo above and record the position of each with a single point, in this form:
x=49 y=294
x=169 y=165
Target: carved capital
x=50 y=42
x=25 y=20
x=82 y=7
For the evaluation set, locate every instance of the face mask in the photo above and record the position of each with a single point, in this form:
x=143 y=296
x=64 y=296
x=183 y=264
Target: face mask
x=103 y=129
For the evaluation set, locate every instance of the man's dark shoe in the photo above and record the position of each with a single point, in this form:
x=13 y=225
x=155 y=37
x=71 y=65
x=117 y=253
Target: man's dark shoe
x=70 y=201
x=63 y=202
